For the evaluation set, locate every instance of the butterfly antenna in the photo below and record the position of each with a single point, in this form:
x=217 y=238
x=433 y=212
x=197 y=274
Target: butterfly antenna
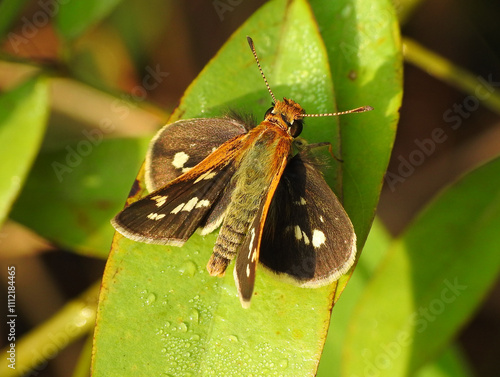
x=361 y=109
x=252 y=47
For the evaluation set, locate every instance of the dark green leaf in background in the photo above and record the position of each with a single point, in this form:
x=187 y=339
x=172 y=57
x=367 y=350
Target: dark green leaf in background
x=433 y=279
x=75 y=189
x=9 y=10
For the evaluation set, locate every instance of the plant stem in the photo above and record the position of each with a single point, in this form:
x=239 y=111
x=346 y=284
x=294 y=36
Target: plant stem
x=450 y=73
x=75 y=319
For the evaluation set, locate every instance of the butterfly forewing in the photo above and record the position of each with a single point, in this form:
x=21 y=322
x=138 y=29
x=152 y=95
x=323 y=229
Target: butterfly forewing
x=307 y=237
x=172 y=213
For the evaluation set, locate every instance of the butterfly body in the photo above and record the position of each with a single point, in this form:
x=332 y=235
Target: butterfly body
x=259 y=166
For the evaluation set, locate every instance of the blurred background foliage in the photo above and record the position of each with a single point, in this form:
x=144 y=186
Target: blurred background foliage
x=100 y=61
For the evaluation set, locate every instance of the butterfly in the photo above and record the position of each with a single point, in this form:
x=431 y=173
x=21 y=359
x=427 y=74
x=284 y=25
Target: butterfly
x=259 y=184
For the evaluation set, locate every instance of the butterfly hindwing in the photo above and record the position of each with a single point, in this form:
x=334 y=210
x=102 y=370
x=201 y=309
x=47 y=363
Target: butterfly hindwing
x=308 y=236
x=180 y=146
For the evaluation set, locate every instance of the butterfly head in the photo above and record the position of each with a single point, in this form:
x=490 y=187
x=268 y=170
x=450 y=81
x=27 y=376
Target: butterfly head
x=286 y=114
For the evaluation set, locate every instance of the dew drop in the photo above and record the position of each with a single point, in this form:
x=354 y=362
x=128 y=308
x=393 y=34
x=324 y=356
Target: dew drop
x=183 y=327
x=346 y=12
x=188 y=268
x=283 y=363
x=232 y=338
x=194 y=316
x=150 y=299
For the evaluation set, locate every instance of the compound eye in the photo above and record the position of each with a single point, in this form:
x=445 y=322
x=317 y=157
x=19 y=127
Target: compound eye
x=296 y=128
x=269 y=112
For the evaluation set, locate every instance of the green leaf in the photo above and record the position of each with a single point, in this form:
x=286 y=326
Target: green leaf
x=375 y=248
x=9 y=10
x=77 y=188
x=23 y=116
x=363 y=45
x=433 y=279
x=450 y=363
x=73 y=18
x=159 y=309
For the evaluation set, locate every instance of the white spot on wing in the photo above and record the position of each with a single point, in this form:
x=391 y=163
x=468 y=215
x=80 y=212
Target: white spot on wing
x=159 y=199
x=177 y=209
x=203 y=203
x=180 y=159
x=306 y=239
x=190 y=204
x=248 y=270
x=205 y=176
x=156 y=216
x=250 y=247
x=318 y=238
x=300 y=202
x=321 y=219
x=298 y=232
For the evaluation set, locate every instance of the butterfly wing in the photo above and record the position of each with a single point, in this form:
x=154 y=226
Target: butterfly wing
x=180 y=146
x=172 y=213
x=308 y=237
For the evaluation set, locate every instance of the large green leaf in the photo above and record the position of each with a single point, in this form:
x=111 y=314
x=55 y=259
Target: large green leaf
x=432 y=281
x=23 y=116
x=159 y=309
x=363 y=45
